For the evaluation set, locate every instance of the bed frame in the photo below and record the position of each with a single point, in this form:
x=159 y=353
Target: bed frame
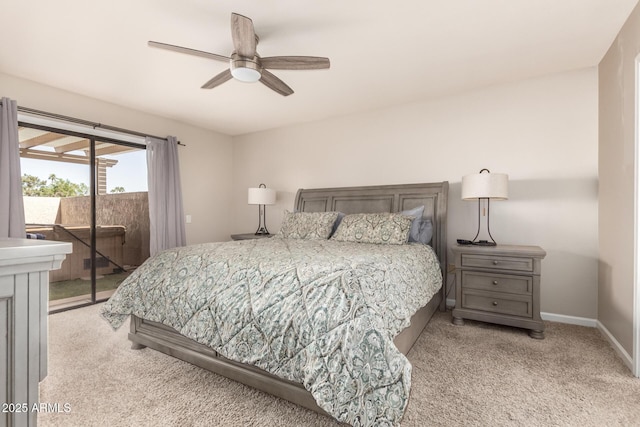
x=385 y=198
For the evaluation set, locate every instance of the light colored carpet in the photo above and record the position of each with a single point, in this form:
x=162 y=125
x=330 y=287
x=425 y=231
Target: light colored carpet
x=475 y=374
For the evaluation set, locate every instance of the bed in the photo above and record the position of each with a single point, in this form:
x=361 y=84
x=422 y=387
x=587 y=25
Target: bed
x=151 y=330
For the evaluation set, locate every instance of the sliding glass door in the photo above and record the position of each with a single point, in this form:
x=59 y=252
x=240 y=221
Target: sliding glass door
x=122 y=215
x=90 y=192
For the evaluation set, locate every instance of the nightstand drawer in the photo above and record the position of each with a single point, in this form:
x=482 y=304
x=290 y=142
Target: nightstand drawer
x=495 y=302
x=519 y=285
x=497 y=262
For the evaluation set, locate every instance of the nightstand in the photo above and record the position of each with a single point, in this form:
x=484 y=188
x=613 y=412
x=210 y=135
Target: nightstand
x=499 y=284
x=247 y=236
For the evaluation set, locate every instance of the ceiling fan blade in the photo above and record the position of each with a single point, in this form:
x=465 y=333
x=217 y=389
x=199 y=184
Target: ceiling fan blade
x=217 y=80
x=295 y=62
x=243 y=35
x=188 y=51
x=274 y=83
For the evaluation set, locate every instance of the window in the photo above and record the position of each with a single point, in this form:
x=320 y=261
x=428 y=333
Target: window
x=91 y=192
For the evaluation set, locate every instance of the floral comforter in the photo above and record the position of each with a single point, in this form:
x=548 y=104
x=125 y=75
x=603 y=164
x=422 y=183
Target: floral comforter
x=318 y=312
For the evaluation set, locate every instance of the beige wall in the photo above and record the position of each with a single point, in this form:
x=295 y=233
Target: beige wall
x=205 y=162
x=542 y=132
x=617 y=120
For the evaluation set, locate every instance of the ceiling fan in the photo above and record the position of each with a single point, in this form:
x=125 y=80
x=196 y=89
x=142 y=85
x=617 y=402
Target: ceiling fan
x=245 y=63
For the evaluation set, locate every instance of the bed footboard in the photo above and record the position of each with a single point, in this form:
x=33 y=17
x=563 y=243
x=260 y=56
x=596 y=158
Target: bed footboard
x=144 y=333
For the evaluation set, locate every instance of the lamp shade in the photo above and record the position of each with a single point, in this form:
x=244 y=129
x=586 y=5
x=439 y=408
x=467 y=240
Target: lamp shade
x=485 y=186
x=262 y=196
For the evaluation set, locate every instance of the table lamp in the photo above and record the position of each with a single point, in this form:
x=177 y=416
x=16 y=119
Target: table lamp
x=262 y=196
x=485 y=186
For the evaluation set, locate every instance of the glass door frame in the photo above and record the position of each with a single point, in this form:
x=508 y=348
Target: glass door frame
x=93 y=193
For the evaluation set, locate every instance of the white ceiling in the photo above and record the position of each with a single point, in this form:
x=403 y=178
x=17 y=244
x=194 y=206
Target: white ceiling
x=382 y=53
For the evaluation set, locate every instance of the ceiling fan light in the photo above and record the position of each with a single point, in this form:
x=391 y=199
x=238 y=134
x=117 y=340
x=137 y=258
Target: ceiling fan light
x=244 y=74
x=245 y=69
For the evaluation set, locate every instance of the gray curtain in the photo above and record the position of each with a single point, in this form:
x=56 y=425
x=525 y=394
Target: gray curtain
x=166 y=214
x=11 y=203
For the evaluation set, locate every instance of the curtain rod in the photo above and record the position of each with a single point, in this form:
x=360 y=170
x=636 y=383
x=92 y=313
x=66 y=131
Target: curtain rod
x=86 y=123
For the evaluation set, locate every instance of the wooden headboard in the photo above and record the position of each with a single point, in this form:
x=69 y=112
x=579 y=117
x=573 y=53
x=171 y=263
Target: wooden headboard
x=387 y=198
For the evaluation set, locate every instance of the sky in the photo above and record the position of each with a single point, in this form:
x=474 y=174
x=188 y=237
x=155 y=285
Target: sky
x=130 y=172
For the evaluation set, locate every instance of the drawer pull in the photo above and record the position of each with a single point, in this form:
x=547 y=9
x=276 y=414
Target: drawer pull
x=495 y=282
x=495 y=262
x=495 y=303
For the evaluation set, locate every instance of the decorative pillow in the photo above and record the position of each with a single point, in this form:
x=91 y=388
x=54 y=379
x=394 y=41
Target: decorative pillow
x=307 y=225
x=387 y=228
x=426 y=232
x=416 y=213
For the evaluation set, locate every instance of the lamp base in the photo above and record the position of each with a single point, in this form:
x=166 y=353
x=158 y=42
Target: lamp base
x=262 y=221
x=482 y=242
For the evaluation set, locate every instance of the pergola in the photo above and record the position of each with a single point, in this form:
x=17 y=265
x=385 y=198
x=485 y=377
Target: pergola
x=46 y=145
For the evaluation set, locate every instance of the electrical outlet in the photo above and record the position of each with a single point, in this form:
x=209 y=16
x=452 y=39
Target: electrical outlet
x=451 y=268
x=188 y=219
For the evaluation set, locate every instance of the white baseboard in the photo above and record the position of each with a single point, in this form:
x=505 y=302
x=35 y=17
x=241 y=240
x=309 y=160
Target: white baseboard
x=626 y=358
x=571 y=320
x=552 y=317
x=592 y=323
x=582 y=321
